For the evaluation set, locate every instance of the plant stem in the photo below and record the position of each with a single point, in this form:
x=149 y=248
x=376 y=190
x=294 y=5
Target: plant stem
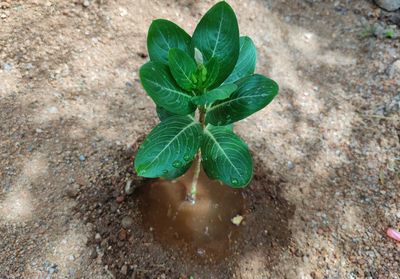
x=193 y=190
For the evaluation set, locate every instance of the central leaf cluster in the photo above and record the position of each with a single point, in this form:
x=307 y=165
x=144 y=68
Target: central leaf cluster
x=212 y=71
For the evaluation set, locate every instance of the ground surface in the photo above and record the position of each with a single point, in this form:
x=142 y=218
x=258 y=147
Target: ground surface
x=326 y=151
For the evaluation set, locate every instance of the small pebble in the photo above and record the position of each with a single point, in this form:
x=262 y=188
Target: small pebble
x=129 y=187
x=237 y=220
x=127 y=222
x=97 y=238
x=82 y=158
x=124 y=270
x=122 y=234
x=72 y=190
x=7 y=67
x=120 y=199
x=201 y=252
x=93 y=253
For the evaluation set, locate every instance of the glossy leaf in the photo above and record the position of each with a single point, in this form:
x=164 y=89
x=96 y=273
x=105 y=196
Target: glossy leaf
x=246 y=63
x=217 y=35
x=164 y=35
x=163 y=114
x=212 y=67
x=158 y=82
x=216 y=94
x=182 y=67
x=170 y=146
x=226 y=157
x=177 y=172
x=253 y=93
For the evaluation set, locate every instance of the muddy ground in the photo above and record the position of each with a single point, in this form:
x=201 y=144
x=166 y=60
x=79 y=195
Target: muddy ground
x=326 y=151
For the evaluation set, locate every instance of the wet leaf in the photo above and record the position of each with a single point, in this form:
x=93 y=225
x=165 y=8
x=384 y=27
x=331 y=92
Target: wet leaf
x=167 y=144
x=226 y=157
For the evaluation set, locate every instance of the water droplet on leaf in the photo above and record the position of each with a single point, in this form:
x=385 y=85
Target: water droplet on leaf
x=234 y=181
x=187 y=157
x=165 y=171
x=177 y=164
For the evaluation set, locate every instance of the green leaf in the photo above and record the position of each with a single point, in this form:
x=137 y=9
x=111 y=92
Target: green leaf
x=229 y=126
x=177 y=172
x=246 y=63
x=217 y=35
x=171 y=145
x=254 y=92
x=226 y=157
x=219 y=93
x=164 y=35
x=158 y=82
x=182 y=67
x=163 y=114
x=212 y=67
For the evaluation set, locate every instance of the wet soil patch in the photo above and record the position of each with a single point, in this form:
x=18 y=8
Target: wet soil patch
x=129 y=241
x=204 y=227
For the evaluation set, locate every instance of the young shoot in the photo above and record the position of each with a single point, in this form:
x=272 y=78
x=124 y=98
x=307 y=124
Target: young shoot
x=211 y=71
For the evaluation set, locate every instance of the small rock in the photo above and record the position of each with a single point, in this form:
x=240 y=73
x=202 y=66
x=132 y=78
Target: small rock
x=237 y=220
x=388 y=5
x=50 y=267
x=7 y=67
x=123 y=12
x=120 y=199
x=122 y=234
x=93 y=253
x=82 y=158
x=97 y=238
x=124 y=270
x=290 y=165
x=201 y=252
x=127 y=222
x=72 y=190
x=129 y=187
x=86 y=3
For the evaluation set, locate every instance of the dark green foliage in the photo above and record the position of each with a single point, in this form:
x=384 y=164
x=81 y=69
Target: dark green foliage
x=213 y=71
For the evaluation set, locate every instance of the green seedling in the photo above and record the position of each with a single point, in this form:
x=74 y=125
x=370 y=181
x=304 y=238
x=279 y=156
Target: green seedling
x=212 y=72
x=390 y=34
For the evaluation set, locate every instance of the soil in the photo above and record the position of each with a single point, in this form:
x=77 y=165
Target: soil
x=326 y=150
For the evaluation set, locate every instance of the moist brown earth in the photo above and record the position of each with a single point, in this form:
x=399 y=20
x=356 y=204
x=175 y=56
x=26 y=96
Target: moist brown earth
x=326 y=151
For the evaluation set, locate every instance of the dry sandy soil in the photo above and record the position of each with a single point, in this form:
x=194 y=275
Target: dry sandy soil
x=326 y=151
